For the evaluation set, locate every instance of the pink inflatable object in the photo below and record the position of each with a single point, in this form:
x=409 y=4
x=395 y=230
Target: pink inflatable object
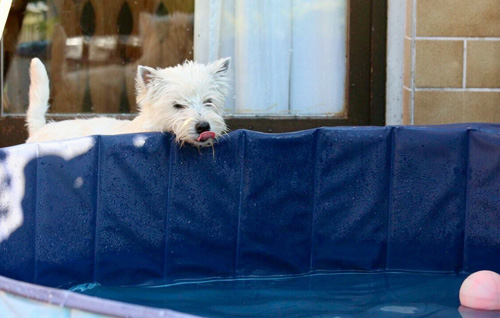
x=481 y=290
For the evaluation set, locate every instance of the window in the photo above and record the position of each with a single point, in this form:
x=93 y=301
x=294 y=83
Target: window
x=297 y=64
x=92 y=48
x=289 y=57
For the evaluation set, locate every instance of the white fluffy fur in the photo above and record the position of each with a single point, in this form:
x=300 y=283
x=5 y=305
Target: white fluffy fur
x=200 y=89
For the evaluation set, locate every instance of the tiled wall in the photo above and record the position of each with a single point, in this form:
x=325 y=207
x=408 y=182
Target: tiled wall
x=452 y=61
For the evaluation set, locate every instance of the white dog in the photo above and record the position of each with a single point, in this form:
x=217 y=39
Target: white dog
x=186 y=100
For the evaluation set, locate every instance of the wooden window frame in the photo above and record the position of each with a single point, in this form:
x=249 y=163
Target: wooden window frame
x=367 y=29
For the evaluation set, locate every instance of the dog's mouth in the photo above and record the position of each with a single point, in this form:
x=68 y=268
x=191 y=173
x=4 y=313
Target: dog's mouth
x=206 y=135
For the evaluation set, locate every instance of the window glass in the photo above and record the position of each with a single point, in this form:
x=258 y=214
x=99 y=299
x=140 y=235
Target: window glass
x=288 y=57
x=91 y=50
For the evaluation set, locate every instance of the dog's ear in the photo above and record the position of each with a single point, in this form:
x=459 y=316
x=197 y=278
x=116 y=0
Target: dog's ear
x=220 y=67
x=145 y=75
x=220 y=72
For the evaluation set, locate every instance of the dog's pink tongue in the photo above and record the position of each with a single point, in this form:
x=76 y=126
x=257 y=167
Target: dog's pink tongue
x=204 y=136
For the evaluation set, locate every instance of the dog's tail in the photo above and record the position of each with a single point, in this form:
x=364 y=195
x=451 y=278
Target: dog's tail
x=38 y=95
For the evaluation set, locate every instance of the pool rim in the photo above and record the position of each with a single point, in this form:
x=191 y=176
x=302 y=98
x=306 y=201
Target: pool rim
x=72 y=300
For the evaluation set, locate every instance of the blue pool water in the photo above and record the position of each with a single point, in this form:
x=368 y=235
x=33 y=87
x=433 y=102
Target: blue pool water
x=319 y=295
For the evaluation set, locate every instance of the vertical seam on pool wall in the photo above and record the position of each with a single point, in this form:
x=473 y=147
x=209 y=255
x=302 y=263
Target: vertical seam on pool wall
x=96 y=205
x=314 y=187
x=461 y=265
x=242 y=174
x=167 y=208
x=35 y=245
x=392 y=159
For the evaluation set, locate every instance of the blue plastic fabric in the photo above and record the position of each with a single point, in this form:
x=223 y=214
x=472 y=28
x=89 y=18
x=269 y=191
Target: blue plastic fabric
x=130 y=209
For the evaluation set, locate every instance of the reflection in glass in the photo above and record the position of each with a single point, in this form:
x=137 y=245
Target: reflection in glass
x=92 y=48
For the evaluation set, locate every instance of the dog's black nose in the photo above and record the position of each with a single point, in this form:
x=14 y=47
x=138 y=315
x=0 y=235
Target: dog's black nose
x=202 y=126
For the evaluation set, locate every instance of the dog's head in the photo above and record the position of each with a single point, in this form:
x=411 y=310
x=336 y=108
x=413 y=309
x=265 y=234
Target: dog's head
x=186 y=100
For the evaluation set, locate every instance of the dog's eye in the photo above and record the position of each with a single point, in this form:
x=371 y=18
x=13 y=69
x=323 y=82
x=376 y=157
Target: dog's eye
x=179 y=106
x=208 y=102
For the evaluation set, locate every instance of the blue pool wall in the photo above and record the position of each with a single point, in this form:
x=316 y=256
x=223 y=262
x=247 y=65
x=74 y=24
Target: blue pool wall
x=139 y=208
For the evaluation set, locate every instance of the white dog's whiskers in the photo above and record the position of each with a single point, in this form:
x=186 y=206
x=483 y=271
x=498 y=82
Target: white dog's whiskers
x=213 y=151
x=186 y=100
x=184 y=128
